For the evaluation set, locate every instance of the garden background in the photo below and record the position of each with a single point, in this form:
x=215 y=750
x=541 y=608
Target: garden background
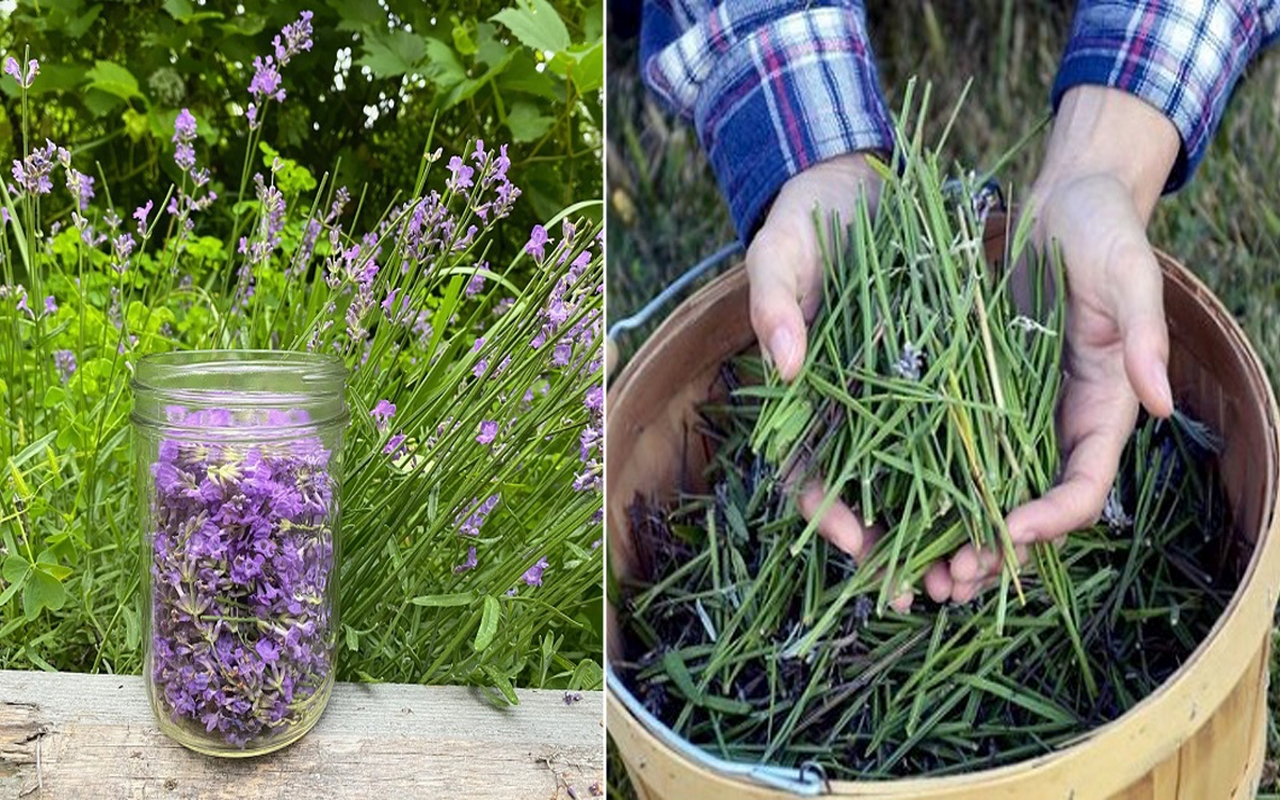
x=665 y=213
x=413 y=187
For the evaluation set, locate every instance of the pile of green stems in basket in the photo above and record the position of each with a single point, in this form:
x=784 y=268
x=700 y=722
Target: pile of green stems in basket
x=927 y=403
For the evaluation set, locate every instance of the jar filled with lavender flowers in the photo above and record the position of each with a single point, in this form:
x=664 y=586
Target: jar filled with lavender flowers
x=239 y=472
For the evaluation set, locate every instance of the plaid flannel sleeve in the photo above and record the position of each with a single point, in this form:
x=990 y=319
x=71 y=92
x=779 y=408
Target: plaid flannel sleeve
x=771 y=87
x=1184 y=58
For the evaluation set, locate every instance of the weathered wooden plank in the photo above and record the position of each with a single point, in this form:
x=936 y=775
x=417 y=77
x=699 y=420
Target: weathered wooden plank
x=93 y=736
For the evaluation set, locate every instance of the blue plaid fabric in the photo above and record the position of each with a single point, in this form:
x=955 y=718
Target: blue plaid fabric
x=1184 y=58
x=775 y=87
x=772 y=87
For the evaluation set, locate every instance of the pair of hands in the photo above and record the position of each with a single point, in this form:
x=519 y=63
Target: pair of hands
x=1093 y=197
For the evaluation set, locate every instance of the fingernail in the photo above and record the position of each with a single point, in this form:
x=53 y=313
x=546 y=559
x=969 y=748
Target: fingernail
x=782 y=347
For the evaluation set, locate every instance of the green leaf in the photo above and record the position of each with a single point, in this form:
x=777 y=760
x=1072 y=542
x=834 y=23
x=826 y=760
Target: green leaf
x=445 y=600
x=488 y=623
x=47 y=563
x=77 y=27
x=9 y=592
x=522 y=75
x=526 y=122
x=113 y=79
x=352 y=638
x=101 y=103
x=503 y=684
x=291 y=177
x=536 y=24
x=136 y=124
x=587 y=676
x=179 y=9
x=15 y=568
x=462 y=41
x=593 y=22
x=442 y=66
x=393 y=53
x=42 y=591
x=54 y=396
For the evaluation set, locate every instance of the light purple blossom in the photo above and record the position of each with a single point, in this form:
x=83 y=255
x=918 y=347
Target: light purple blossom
x=533 y=575
x=537 y=243
x=140 y=214
x=488 y=431
x=296 y=38
x=65 y=362
x=184 y=133
x=394 y=445
x=382 y=413
x=21 y=305
x=32 y=172
x=14 y=69
x=595 y=398
x=122 y=247
x=471 y=520
x=266 y=83
x=80 y=186
x=476 y=285
x=461 y=177
x=470 y=562
x=50 y=305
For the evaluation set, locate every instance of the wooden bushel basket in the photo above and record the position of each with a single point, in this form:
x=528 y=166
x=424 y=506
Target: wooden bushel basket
x=1201 y=736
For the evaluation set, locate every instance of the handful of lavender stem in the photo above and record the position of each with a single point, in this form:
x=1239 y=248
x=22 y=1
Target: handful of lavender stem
x=927 y=403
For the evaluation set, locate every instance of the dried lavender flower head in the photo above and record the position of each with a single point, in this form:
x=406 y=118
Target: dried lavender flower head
x=242 y=557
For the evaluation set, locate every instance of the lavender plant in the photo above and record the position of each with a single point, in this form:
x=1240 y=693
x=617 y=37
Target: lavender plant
x=472 y=505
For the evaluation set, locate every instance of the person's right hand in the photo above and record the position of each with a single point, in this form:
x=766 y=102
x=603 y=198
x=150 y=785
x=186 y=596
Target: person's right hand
x=785 y=271
x=784 y=261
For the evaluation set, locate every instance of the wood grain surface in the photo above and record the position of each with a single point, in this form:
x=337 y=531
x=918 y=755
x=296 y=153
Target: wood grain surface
x=93 y=736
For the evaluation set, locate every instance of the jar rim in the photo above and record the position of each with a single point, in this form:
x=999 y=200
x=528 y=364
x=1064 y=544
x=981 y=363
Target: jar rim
x=158 y=378
x=326 y=364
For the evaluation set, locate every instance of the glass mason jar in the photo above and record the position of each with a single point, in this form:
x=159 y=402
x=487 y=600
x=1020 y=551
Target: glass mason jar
x=238 y=465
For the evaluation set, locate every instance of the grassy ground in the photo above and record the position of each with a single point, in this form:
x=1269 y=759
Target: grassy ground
x=665 y=213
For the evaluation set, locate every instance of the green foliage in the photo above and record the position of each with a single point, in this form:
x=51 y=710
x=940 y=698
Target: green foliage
x=378 y=76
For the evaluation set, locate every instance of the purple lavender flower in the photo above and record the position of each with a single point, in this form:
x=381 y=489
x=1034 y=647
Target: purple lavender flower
x=394 y=445
x=121 y=248
x=461 y=178
x=471 y=520
x=296 y=38
x=21 y=305
x=382 y=413
x=14 y=69
x=140 y=214
x=533 y=575
x=476 y=285
x=595 y=398
x=538 y=241
x=242 y=553
x=469 y=563
x=32 y=172
x=488 y=431
x=266 y=83
x=80 y=186
x=184 y=133
x=65 y=362
x=50 y=305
